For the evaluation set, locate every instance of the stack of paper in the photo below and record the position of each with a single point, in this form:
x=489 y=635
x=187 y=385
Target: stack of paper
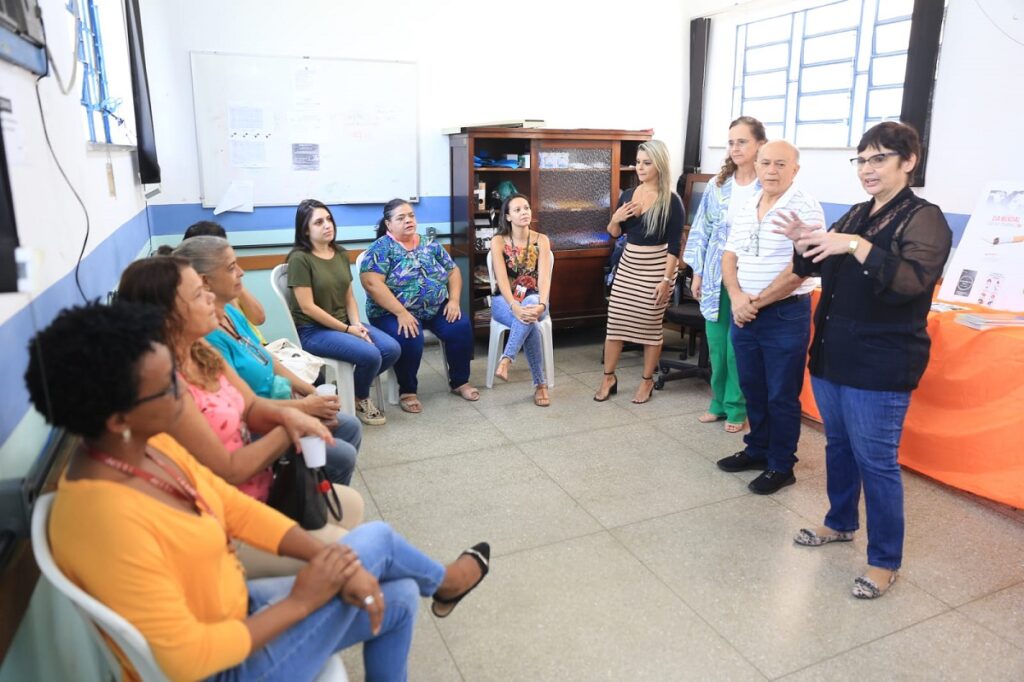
x=990 y=320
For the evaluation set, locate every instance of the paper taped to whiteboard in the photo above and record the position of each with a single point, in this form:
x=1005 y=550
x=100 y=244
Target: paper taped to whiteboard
x=238 y=198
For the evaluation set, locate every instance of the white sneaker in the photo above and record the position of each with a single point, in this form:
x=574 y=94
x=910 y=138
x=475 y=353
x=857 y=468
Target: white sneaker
x=368 y=413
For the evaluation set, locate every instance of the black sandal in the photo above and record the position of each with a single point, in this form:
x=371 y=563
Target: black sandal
x=611 y=391
x=481 y=553
x=650 y=393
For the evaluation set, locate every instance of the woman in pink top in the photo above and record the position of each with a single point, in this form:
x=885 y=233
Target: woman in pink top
x=220 y=410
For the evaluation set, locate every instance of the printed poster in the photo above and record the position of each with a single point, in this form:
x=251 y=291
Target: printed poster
x=988 y=266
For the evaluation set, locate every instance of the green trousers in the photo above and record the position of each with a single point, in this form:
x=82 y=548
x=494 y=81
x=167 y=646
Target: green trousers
x=728 y=399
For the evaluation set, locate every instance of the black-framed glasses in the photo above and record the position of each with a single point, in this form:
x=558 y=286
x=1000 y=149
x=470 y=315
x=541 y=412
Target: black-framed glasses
x=171 y=389
x=875 y=161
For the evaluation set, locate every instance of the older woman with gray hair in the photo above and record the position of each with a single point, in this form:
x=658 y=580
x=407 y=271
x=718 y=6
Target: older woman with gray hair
x=215 y=261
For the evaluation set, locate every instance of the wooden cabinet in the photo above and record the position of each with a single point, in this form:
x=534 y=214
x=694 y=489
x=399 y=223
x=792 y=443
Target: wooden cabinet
x=573 y=179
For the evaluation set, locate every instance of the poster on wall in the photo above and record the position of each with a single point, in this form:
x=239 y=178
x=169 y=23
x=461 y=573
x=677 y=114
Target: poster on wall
x=988 y=266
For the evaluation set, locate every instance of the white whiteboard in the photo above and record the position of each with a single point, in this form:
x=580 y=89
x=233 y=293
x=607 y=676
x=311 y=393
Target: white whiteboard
x=342 y=131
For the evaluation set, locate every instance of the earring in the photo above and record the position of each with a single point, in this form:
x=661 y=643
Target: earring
x=127 y=436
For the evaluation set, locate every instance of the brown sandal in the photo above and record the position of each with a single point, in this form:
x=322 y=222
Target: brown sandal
x=410 y=403
x=541 y=400
x=467 y=392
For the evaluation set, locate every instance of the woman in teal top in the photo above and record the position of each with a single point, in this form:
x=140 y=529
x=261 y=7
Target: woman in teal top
x=412 y=284
x=735 y=183
x=215 y=261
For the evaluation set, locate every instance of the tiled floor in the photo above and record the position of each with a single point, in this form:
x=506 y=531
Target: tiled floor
x=621 y=552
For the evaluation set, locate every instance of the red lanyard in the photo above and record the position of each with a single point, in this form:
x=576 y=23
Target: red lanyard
x=186 y=492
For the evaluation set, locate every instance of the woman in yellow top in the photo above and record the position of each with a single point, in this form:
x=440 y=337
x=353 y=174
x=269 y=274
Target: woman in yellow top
x=144 y=528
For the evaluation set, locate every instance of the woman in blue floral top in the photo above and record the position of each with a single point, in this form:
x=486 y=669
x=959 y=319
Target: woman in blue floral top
x=412 y=285
x=735 y=184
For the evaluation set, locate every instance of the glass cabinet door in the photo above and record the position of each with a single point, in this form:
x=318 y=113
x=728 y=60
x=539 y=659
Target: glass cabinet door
x=574 y=191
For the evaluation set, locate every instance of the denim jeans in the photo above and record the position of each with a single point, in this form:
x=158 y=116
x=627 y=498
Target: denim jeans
x=458 y=347
x=341 y=457
x=771 y=352
x=405 y=574
x=520 y=335
x=862 y=431
x=370 y=359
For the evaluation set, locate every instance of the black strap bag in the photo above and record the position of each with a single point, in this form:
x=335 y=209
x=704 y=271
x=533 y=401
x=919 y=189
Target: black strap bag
x=303 y=494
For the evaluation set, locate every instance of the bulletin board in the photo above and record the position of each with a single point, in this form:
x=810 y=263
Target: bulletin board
x=272 y=131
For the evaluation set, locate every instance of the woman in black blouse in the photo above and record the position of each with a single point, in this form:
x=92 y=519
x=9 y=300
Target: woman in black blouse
x=879 y=264
x=651 y=216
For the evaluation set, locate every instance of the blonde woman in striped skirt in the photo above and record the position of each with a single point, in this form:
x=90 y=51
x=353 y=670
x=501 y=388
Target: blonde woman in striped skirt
x=651 y=216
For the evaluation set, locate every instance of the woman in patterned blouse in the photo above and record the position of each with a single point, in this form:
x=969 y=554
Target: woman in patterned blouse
x=411 y=284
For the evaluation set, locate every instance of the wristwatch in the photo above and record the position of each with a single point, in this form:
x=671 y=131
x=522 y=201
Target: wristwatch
x=854 y=243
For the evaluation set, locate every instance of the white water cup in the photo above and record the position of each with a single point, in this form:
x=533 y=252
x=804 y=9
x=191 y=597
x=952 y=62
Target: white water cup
x=327 y=389
x=314 y=451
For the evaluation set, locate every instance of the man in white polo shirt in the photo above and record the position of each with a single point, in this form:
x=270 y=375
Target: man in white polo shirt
x=771 y=316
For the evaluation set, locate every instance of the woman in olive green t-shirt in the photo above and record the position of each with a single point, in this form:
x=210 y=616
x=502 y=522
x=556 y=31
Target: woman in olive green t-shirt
x=325 y=311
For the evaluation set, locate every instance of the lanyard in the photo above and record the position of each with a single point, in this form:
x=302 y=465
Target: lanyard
x=183 y=491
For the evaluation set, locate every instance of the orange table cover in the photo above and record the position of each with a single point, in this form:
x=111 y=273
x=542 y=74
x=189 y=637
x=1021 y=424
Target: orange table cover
x=965 y=425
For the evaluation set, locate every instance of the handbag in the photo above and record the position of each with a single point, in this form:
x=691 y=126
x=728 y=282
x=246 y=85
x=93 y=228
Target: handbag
x=303 y=494
x=302 y=364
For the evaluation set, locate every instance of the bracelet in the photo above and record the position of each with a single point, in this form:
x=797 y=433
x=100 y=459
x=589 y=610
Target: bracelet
x=347 y=327
x=667 y=279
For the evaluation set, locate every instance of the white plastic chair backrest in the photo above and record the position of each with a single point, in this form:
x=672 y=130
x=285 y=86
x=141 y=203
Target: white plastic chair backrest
x=98 y=617
x=490 y=270
x=279 y=283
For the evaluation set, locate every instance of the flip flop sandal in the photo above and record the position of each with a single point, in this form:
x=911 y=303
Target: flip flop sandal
x=865 y=588
x=809 y=538
x=467 y=392
x=733 y=427
x=410 y=404
x=481 y=553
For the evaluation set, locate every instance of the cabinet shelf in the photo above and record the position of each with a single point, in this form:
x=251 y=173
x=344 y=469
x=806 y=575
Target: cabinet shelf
x=575 y=170
x=571 y=205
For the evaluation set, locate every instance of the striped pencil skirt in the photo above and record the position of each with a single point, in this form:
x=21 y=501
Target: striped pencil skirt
x=632 y=315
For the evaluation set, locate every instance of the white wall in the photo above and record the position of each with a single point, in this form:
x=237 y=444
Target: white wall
x=49 y=219
x=564 y=62
x=975 y=114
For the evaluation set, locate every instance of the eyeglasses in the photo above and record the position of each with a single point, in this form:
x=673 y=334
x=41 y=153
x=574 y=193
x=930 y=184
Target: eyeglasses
x=875 y=161
x=171 y=390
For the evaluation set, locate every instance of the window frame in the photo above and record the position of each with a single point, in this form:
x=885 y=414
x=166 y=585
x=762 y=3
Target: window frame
x=861 y=88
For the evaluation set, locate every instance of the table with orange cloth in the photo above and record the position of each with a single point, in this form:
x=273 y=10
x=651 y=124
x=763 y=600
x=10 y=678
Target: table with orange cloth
x=965 y=425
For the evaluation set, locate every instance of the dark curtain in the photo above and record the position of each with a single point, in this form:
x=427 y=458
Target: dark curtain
x=700 y=33
x=8 y=228
x=149 y=167
x=919 y=82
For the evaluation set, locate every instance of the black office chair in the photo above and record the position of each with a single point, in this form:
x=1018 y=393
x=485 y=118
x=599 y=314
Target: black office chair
x=685 y=312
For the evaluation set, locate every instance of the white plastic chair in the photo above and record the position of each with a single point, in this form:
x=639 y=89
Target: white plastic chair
x=498 y=331
x=390 y=377
x=101 y=620
x=344 y=372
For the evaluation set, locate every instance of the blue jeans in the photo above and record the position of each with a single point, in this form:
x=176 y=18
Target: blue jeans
x=370 y=359
x=405 y=574
x=863 y=430
x=458 y=347
x=771 y=352
x=520 y=335
x=341 y=457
